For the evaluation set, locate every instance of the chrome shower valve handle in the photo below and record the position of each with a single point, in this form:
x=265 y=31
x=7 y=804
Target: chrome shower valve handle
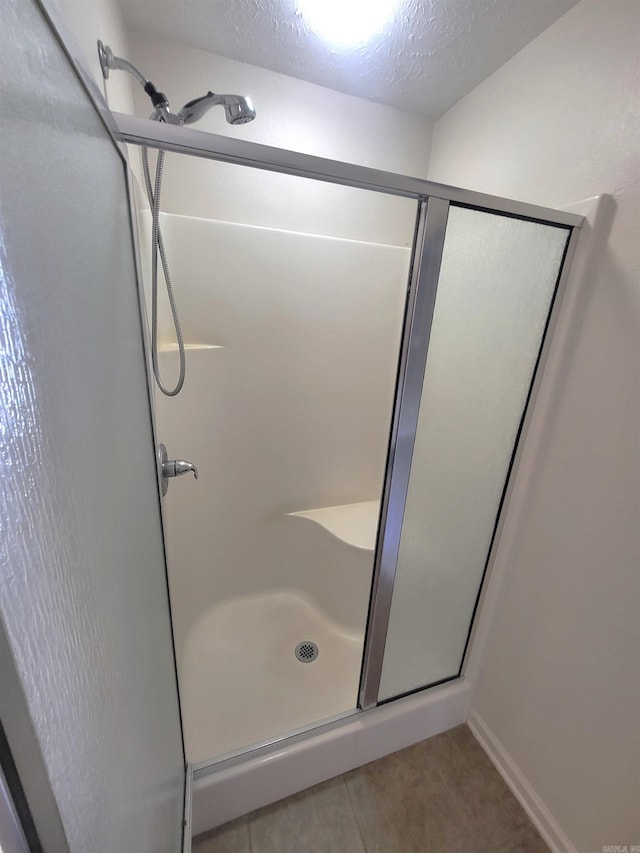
x=172 y=468
x=178 y=467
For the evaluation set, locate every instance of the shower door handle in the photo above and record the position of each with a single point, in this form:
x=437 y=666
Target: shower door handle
x=172 y=468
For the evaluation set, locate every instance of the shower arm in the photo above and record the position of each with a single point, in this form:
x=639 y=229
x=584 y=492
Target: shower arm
x=161 y=109
x=237 y=108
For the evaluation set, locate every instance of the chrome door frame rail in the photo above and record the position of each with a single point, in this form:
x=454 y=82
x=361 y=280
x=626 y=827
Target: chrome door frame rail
x=211 y=146
x=425 y=272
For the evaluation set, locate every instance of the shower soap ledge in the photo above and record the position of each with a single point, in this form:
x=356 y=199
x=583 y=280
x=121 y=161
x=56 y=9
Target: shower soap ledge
x=356 y=524
x=191 y=347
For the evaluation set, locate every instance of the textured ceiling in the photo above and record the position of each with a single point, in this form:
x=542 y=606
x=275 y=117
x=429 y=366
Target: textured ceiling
x=429 y=56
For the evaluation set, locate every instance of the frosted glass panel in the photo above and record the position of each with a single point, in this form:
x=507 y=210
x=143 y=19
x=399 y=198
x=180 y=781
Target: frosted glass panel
x=83 y=595
x=495 y=289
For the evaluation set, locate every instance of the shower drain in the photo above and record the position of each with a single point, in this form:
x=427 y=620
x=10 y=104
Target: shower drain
x=306 y=651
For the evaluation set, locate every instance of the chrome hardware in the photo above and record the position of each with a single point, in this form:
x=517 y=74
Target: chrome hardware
x=172 y=468
x=178 y=467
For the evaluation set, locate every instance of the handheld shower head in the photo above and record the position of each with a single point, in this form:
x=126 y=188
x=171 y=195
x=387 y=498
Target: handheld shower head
x=237 y=109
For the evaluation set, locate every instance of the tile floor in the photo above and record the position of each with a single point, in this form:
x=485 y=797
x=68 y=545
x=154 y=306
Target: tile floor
x=440 y=796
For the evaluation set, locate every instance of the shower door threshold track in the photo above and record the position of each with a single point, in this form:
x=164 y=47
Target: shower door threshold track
x=236 y=785
x=272 y=745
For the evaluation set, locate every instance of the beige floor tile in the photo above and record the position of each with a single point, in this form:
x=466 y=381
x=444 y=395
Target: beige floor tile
x=440 y=796
x=403 y=806
x=319 y=820
x=529 y=842
x=231 y=838
x=492 y=814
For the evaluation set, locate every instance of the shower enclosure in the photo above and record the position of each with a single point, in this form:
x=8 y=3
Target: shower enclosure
x=293 y=340
x=362 y=348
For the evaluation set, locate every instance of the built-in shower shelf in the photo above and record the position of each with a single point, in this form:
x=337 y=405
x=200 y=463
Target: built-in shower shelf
x=188 y=347
x=356 y=524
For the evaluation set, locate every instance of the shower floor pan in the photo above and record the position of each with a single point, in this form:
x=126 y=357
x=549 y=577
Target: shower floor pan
x=242 y=684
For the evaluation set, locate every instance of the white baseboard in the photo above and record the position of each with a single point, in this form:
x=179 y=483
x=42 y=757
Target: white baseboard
x=227 y=793
x=540 y=815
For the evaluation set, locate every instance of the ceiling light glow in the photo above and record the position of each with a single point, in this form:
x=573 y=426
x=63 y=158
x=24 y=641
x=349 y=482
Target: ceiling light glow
x=346 y=23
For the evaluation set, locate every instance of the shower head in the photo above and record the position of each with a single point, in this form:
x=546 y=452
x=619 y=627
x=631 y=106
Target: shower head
x=237 y=109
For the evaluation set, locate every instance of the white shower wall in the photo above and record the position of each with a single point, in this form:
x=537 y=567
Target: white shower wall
x=293 y=343
x=290 y=412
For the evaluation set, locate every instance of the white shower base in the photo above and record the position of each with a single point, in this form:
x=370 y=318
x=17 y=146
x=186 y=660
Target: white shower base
x=241 y=683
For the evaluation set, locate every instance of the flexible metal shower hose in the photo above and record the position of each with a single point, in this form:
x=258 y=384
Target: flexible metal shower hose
x=157 y=248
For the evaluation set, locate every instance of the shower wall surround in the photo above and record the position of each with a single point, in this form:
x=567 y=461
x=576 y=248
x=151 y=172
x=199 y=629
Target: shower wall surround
x=293 y=343
x=290 y=410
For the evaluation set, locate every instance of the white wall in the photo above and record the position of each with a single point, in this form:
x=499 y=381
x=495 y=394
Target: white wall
x=559 y=684
x=294 y=115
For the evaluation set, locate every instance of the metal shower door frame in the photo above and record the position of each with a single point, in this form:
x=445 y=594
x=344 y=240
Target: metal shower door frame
x=421 y=300
x=433 y=207
x=213 y=146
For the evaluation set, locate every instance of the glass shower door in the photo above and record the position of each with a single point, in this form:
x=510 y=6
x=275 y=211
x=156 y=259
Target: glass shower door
x=496 y=285
x=89 y=698
x=292 y=295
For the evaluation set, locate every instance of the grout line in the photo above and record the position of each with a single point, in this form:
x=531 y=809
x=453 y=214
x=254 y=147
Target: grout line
x=249 y=832
x=454 y=800
x=459 y=812
x=353 y=812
